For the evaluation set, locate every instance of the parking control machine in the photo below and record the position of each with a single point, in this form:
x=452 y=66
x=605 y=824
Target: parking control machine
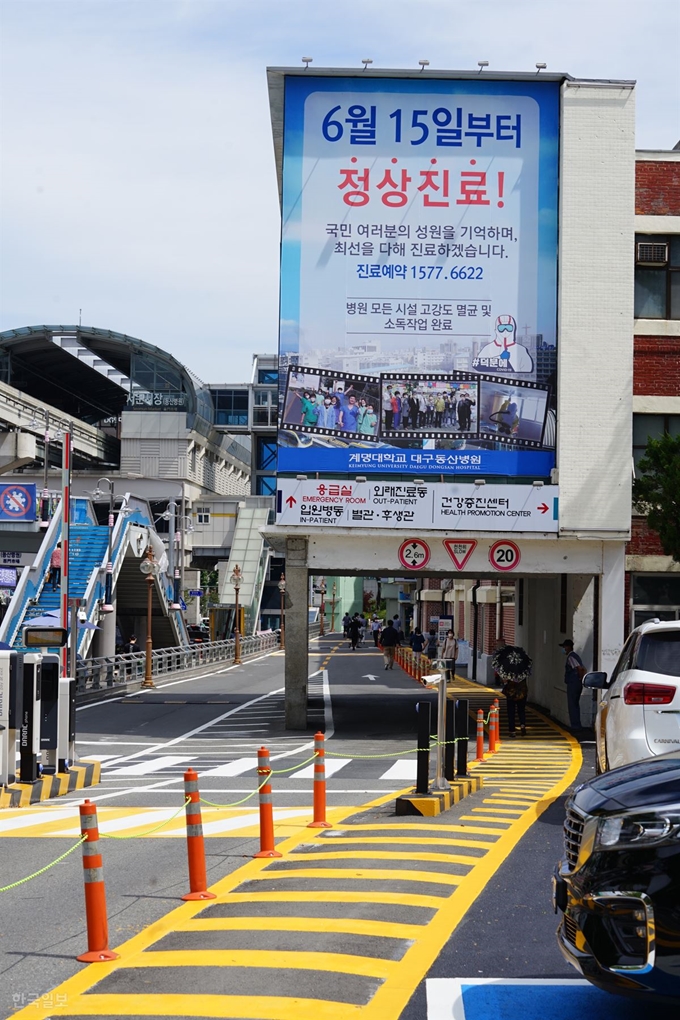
x=29 y=734
x=11 y=702
x=57 y=717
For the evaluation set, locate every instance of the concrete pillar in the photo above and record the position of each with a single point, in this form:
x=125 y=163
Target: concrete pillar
x=107 y=634
x=297 y=633
x=582 y=604
x=612 y=600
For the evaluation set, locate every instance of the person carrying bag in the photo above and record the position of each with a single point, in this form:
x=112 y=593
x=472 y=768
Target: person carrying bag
x=449 y=654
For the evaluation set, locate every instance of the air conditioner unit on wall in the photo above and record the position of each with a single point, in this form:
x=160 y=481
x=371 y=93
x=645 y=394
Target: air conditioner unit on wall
x=651 y=253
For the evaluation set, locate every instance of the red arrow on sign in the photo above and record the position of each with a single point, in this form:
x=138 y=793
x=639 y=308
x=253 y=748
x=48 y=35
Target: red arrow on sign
x=291 y=501
x=460 y=552
x=543 y=508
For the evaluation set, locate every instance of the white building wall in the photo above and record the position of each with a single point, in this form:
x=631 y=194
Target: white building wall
x=595 y=321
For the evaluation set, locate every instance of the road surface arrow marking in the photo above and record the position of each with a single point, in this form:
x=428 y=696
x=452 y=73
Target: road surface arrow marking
x=369 y=676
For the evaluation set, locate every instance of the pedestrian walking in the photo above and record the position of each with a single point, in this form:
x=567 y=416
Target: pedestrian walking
x=389 y=640
x=346 y=620
x=376 y=627
x=55 y=567
x=513 y=666
x=431 y=650
x=354 y=632
x=574 y=671
x=449 y=653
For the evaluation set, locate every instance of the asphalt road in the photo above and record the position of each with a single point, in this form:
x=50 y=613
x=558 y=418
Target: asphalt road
x=215 y=724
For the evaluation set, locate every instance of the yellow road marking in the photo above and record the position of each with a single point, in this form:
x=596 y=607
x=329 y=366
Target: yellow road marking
x=246 y=1007
x=278 y=959
x=349 y=925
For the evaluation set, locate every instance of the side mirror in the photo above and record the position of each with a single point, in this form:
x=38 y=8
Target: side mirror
x=596 y=681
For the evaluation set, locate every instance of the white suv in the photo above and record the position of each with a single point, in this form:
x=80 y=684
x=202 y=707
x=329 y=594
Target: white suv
x=638 y=715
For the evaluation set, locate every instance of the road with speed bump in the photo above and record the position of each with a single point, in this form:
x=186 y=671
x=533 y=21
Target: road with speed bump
x=350 y=920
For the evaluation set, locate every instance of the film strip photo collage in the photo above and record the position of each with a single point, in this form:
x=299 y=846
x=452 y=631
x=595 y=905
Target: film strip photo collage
x=413 y=406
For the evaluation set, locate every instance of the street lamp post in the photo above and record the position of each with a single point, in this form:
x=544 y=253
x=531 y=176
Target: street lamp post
x=45 y=497
x=149 y=567
x=333 y=609
x=322 y=589
x=236 y=579
x=282 y=591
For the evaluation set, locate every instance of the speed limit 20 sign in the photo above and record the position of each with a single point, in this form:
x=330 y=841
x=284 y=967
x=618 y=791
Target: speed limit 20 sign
x=504 y=555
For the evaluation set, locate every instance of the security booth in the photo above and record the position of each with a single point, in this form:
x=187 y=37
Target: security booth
x=11 y=700
x=447 y=321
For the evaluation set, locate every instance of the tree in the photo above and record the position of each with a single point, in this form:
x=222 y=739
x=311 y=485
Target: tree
x=656 y=491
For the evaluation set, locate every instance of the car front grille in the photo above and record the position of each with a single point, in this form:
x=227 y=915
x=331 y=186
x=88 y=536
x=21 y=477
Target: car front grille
x=570 y=929
x=573 y=834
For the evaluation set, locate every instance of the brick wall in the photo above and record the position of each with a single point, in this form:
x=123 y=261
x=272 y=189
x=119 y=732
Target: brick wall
x=657 y=188
x=643 y=541
x=657 y=366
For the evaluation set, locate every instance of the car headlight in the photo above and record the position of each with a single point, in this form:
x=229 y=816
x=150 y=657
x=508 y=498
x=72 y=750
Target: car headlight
x=618 y=831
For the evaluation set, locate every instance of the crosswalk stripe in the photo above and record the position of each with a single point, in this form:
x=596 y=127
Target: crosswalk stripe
x=35 y=818
x=142 y=768
x=232 y=768
x=248 y=819
x=153 y=817
x=333 y=765
x=402 y=770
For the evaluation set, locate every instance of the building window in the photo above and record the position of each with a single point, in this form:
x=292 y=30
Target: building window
x=268 y=376
x=203 y=514
x=265 y=485
x=657 y=276
x=652 y=426
x=266 y=454
x=654 y=596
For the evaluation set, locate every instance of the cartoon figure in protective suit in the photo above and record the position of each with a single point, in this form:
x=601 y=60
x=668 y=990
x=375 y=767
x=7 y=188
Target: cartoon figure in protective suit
x=504 y=354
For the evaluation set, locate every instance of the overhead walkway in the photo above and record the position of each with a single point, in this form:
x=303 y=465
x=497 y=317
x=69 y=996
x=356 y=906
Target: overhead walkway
x=20 y=411
x=249 y=552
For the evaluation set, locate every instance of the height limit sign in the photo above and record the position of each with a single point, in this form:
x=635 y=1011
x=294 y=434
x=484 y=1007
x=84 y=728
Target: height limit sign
x=414 y=554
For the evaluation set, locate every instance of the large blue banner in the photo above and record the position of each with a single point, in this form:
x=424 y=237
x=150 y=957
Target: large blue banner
x=419 y=276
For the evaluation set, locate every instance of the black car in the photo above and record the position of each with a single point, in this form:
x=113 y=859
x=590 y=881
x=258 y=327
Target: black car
x=618 y=887
x=198 y=635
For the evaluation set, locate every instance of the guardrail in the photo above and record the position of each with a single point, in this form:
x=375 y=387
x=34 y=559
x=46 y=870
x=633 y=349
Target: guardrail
x=122 y=670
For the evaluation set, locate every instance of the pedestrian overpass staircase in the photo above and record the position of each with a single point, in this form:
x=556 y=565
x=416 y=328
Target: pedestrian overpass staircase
x=88 y=556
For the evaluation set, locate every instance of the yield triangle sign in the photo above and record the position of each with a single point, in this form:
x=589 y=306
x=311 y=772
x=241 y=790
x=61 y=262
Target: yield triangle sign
x=460 y=552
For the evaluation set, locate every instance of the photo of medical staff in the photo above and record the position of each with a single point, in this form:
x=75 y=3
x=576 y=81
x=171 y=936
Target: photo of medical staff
x=504 y=353
x=343 y=405
x=513 y=412
x=427 y=405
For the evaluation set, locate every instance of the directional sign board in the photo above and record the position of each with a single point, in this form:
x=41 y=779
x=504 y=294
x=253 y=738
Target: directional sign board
x=436 y=506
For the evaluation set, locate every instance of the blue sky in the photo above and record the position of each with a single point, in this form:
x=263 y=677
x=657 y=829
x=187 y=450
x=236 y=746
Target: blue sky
x=138 y=178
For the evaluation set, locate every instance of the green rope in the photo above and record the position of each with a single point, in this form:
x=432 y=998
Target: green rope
x=42 y=871
x=237 y=803
x=139 y=835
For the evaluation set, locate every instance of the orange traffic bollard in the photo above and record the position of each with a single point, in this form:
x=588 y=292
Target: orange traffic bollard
x=480 y=735
x=95 y=891
x=492 y=730
x=198 y=881
x=319 y=785
x=266 y=809
x=498 y=722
